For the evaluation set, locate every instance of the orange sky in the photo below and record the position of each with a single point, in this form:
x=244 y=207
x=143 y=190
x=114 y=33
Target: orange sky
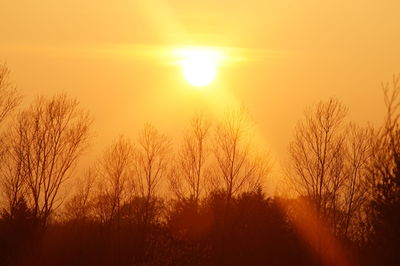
x=112 y=56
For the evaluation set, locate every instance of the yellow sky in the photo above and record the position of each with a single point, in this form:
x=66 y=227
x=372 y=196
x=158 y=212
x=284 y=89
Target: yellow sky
x=111 y=56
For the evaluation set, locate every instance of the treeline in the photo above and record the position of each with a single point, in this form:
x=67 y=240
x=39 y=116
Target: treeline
x=145 y=202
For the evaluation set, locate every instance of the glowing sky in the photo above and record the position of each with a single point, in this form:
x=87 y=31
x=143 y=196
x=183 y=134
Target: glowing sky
x=112 y=56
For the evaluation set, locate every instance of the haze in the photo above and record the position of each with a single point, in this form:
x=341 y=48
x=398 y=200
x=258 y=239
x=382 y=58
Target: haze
x=113 y=56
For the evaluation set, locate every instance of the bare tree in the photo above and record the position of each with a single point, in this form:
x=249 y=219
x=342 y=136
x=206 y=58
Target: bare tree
x=150 y=161
x=79 y=205
x=383 y=209
x=188 y=179
x=237 y=166
x=48 y=139
x=386 y=143
x=11 y=182
x=358 y=154
x=9 y=97
x=317 y=156
x=150 y=169
x=114 y=170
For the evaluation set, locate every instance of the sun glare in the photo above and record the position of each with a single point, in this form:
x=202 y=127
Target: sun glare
x=199 y=66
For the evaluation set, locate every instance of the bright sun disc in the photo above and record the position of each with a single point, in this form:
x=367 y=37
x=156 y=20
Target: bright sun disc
x=199 y=66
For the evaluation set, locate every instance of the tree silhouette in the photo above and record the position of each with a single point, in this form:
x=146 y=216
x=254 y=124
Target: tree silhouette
x=238 y=168
x=11 y=183
x=79 y=207
x=317 y=157
x=385 y=170
x=17 y=232
x=47 y=140
x=188 y=180
x=9 y=96
x=355 y=190
x=115 y=171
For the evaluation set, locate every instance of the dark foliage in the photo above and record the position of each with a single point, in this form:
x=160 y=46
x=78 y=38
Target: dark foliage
x=249 y=229
x=384 y=241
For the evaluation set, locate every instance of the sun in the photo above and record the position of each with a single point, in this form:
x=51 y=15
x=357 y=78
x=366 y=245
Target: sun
x=199 y=66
